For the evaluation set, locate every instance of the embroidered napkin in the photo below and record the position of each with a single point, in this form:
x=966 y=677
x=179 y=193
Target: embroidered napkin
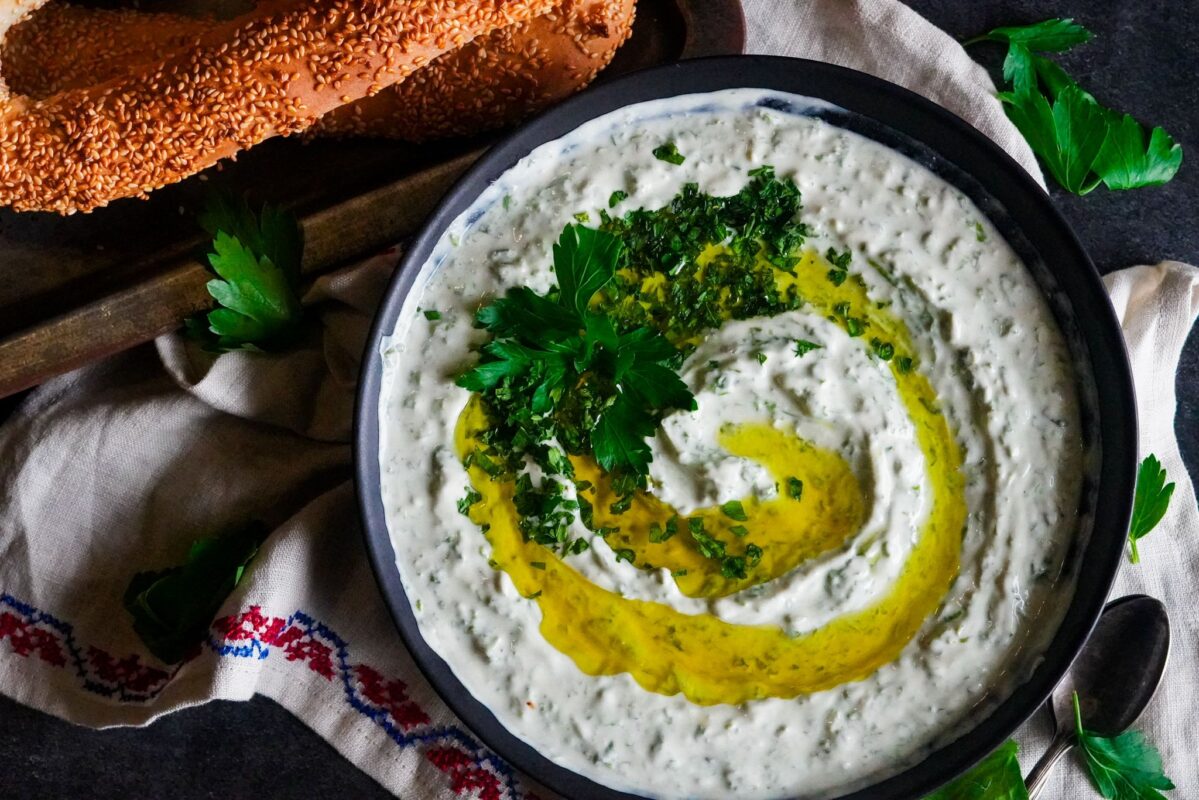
x=117 y=467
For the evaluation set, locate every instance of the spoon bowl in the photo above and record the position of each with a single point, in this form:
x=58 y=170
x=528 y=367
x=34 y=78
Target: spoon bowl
x=1115 y=675
x=1119 y=668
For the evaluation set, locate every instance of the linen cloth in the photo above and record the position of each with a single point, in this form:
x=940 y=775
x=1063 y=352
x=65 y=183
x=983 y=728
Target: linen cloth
x=117 y=467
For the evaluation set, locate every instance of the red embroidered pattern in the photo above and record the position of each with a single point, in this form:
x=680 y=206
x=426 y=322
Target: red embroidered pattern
x=28 y=640
x=472 y=770
x=466 y=775
x=392 y=695
x=296 y=643
x=128 y=672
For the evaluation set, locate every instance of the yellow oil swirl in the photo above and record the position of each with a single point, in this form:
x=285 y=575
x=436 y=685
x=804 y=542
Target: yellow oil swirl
x=789 y=531
x=711 y=661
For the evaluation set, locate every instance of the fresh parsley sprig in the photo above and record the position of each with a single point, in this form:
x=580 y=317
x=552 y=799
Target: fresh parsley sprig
x=590 y=367
x=257 y=261
x=173 y=608
x=1081 y=142
x=1124 y=767
x=1149 y=504
x=593 y=388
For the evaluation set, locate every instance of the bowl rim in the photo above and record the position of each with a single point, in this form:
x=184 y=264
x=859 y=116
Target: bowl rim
x=950 y=138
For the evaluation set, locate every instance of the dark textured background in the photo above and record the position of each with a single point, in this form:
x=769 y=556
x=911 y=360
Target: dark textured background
x=1144 y=61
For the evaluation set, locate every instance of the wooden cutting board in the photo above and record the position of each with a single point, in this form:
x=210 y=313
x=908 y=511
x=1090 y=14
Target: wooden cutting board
x=76 y=289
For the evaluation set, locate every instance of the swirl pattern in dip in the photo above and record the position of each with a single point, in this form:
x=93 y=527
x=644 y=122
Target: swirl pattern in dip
x=905 y=585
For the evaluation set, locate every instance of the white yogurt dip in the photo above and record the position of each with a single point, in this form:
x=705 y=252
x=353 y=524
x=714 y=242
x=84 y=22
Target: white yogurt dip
x=984 y=338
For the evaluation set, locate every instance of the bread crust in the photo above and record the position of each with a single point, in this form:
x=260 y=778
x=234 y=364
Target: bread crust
x=496 y=80
x=491 y=82
x=42 y=56
x=158 y=97
x=271 y=72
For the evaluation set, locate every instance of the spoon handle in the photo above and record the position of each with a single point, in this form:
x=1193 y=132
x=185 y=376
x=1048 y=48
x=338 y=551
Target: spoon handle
x=1060 y=745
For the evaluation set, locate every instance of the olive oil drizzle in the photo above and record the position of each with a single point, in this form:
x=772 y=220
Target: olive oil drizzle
x=707 y=659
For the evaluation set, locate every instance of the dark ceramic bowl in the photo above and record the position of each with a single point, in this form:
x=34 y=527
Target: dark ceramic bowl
x=1021 y=211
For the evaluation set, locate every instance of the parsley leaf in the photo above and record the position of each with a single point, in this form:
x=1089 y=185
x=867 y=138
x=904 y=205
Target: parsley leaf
x=557 y=370
x=619 y=436
x=469 y=499
x=734 y=510
x=1052 y=77
x=1019 y=67
x=1050 y=35
x=803 y=347
x=1125 y=767
x=1081 y=142
x=645 y=366
x=173 y=608
x=996 y=777
x=1067 y=135
x=669 y=152
x=1127 y=162
x=733 y=567
x=709 y=546
x=257 y=261
x=794 y=488
x=584 y=260
x=656 y=534
x=523 y=312
x=1149 y=504
x=884 y=350
x=272 y=233
x=489 y=374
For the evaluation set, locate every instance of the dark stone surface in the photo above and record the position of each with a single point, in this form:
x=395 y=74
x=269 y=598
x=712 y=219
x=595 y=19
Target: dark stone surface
x=1143 y=61
x=223 y=749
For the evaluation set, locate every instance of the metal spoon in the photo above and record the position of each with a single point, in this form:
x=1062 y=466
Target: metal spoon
x=1115 y=676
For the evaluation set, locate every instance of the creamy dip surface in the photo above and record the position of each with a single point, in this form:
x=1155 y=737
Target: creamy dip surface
x=983 y=337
